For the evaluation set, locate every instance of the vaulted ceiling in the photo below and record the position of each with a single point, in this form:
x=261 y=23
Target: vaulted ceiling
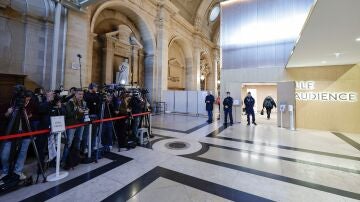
x=187 y=8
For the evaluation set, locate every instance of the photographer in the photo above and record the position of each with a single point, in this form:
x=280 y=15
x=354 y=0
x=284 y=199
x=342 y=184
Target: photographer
x=93 y=102
x=107 y=130
x=51 y=107
x=122 y=109
x=40 y=95
x=18 y=127
x=75 y=111
x=71 y=94
x=135 y=105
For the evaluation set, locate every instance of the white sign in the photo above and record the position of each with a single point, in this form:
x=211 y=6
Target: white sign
x=305 y=85
x=282 y=108
x=306 y=92
x=236 y=102
x=291 y=108
x=57 y=124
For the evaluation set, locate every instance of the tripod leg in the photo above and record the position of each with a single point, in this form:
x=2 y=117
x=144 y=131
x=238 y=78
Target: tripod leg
x=38 y=159
x=34 y=145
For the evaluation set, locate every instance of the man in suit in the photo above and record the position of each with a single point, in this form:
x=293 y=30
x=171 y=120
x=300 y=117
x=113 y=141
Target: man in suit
x=209 y=100
x=228 y=103
x=249 y=102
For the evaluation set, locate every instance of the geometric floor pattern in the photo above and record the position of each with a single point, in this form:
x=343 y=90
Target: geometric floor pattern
x=237 y=163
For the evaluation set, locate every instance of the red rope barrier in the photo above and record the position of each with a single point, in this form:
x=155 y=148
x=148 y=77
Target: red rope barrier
x=46 y=131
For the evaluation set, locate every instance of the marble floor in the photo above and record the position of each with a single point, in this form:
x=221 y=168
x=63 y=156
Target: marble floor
x=188 y=160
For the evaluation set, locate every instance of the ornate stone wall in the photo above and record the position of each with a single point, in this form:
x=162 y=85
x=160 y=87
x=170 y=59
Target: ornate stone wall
x=26 y=40
x=156 y=23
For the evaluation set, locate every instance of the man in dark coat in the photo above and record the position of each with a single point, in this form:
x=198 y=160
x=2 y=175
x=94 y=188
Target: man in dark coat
x=249 y=102
x=209 y=100
x=269 y=104
x=228 y=103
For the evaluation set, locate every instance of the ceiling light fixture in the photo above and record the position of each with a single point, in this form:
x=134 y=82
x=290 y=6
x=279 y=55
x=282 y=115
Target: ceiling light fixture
x=357 y=39
x=337 y=55
x=323 y=62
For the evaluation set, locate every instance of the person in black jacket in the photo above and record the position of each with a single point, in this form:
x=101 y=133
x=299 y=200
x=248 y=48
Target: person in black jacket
x=209 y=100
x=269 y=104
x=228 y=103
x=93 y=102
x=249 y=102
x=135 y=105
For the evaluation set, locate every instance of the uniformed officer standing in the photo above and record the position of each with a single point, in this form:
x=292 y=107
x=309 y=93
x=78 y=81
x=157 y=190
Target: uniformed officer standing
x=249 y=102
x=228 y=103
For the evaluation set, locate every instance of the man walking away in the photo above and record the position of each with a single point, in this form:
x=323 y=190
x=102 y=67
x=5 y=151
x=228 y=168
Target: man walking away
x=269 y=104
x=209 y=100
x=249 y=102
x=228 y=103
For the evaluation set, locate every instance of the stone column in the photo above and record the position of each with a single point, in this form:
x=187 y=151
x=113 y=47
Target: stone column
x=195 y=71
x=56 y=44
x=108 y=52
x=161 y=70
x=141 y=75
x=135 y=57
x=214 y=73
x=90 y=53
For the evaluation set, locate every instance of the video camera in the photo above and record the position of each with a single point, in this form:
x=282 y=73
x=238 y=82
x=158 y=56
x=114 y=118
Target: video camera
x=18 y=99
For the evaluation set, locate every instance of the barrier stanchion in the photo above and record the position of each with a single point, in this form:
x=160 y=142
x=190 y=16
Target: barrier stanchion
x=90 y=140
x=57 y=175
x=46 y=131
x=57 y=126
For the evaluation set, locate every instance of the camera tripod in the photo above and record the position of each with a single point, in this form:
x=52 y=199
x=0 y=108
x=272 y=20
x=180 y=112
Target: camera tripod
x=104 y=105
x=19 y=116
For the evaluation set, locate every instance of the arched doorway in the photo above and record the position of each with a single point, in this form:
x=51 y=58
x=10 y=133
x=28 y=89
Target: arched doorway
x=204 y=70
x=176 y=67
x=121 y=31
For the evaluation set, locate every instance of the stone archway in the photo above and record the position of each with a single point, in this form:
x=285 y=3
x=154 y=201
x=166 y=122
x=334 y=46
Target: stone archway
x=205 y=70
x=190 y=75
x=179 y=64
x=142 y=28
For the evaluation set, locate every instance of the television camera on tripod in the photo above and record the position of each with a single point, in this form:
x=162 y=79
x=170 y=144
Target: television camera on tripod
x=13 y=154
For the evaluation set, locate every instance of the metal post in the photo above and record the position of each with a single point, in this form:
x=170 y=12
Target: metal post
x=58 y=175
x=56 y=45
x=89 y=143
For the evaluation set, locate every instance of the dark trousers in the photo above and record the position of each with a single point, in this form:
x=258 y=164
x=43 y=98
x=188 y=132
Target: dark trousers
x=228 y=112
x=121 y=132
x=107 y=134
x=210 y=115
x=268 y=112
x=252 y=114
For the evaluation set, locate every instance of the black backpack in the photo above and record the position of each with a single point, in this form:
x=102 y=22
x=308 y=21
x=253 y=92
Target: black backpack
x=268 y=103
x=74 y=158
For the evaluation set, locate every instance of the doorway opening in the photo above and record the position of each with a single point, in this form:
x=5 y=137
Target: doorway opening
x=261 y=93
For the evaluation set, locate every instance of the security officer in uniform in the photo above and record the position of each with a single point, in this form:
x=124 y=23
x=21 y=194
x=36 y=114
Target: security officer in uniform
x=228 y=103
x=249 y=102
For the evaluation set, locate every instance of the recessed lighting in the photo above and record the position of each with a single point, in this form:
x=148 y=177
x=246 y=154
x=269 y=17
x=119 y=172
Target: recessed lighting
x=357 y=39
x=338 y=54
x=323 y=62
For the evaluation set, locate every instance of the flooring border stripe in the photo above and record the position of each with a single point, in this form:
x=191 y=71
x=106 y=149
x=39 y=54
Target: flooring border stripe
x=347 y=140
x=281 y=178
x=215 y=134
x=65 y=186
x=288 y=159
x=291 y=148
x=206 y=147
x=180 y=131
x=139 y=184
